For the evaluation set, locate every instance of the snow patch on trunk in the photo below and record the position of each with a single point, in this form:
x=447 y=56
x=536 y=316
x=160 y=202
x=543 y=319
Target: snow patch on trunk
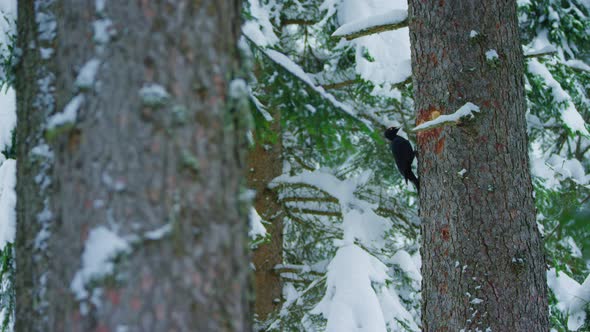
x=102 y=246
x=69 y=114
x=87 y=75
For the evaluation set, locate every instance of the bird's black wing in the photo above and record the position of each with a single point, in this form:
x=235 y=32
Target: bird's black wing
x=403 y=155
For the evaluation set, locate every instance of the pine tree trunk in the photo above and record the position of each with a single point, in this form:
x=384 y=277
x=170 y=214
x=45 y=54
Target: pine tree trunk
x=482 y=255
x=34 y=102
x=265 y=163
x=153 y=160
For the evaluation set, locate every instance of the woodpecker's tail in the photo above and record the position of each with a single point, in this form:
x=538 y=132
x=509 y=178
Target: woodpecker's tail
x=414 y=180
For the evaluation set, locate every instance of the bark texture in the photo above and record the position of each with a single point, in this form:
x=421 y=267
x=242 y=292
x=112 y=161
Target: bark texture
x=265 y=163
x=155 y=157
x=35 y=101
x=482 y=255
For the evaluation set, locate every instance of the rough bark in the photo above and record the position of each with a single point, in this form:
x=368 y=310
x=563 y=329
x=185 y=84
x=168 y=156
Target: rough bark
x=35 y=101
x=132 y=165
x=482 y=256
x=265 y=164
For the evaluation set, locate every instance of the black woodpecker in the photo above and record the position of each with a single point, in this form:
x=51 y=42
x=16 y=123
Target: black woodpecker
x=403 y=155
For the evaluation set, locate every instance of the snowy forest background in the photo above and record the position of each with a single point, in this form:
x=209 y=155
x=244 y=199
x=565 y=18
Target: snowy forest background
x=349 y=220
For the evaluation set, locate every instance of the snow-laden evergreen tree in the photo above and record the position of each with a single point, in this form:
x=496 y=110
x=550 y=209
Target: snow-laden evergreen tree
x=350 y=231
x=359 y=72
x=7 y=163
x=556 y=35
x=318 y=135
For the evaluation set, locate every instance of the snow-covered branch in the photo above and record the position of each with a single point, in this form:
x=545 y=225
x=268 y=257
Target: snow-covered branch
x=341 y=84
x=290 y=66
x=392 y=20
x=466 y=112
x=571 y=296
x=292 y=268
x=547 y=50
x=338 y=85
x=297 y=21
x=570 y=115
x=578 y=65
x=337 y=79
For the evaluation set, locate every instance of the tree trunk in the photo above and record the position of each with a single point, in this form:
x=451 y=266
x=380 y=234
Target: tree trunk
x=265 y=162
x=129 y=217
x=482 y=255
x=35 y=101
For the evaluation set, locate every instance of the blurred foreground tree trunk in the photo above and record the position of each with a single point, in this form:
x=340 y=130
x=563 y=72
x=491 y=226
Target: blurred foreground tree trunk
x=131 y=147
x=482 y=255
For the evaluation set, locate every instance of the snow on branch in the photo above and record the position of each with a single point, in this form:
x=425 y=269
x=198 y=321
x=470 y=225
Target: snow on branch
x=535 y=53
x=293 y=269
x=341 y=84
x=392 y=20
x=297 y=21
x=290 y=66
x=571 y=297
x=338 y=80
x=578 y=65
x=540 y=46
x=257 y=229
x=464 y=113
x=569 y=114
x=350 y=300
x=335 y=80
x=296 y=70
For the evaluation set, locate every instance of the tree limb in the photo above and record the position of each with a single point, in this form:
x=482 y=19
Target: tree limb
x=338 y=85
x=297 y=21
x=375 y=29
x=539 y=54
